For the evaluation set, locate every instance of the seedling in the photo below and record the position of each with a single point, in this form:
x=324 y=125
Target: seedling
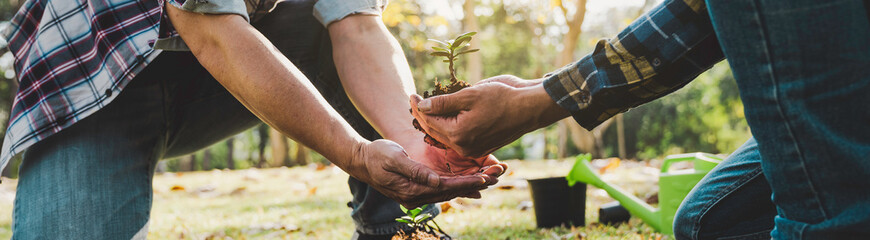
x=450 y=50
x=420 y=224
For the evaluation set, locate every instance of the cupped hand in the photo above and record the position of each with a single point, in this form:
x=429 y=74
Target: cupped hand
x=446 y=162
x=482 y=118
x=385 y=165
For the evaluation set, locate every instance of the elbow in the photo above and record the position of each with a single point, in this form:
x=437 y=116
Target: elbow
x=202 y=33
x=355 y=25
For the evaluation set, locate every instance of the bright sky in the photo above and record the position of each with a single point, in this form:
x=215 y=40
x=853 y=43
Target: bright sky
x=453 y=11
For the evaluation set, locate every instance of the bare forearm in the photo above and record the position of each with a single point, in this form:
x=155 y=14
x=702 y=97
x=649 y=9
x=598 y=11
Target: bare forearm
x=534 y=101
x=375 y=74
x=266 y=82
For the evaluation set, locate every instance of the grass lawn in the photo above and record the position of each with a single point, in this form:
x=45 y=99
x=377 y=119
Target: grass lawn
x=310 y=203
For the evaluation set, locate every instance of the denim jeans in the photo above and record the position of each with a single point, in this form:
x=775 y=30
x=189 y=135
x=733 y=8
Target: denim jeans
x=731 y=202
x=803 y=70
x=93 y=180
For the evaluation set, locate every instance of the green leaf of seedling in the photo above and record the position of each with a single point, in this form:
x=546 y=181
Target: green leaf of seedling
x=403 y=221
x=440 y=54
x=439 y=49
x=461 y=47
x=459 y=41
x=404 y=210
x=414 y=212
x=421 y=218
x=467 y=51
x=468 y=34
x=440 y=42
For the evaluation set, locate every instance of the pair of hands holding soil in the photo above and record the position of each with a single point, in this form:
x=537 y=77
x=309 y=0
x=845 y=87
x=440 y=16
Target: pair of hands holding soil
x=458 y=131
x=459 y=126
x=482 y=118
x=455 y=139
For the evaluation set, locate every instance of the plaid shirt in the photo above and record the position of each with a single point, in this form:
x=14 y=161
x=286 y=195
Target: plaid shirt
x=72 y=57
x=657 y=54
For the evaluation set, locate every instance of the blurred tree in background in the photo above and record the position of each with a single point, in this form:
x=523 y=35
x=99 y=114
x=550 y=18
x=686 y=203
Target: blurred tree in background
x=523 y=38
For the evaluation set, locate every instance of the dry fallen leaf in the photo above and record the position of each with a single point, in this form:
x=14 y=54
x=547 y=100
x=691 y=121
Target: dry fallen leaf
x=312 y=191
x=176 y=188
x=525 y=205
x=445 y=207
x=238 y=191
x=612 y=163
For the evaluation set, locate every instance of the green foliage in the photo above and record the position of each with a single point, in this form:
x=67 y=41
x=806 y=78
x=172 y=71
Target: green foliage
x=8 y=8
x=706 y=115
x=413 y=218
x=513 y=150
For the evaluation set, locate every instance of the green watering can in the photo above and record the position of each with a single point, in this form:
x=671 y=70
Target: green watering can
x=673 y=187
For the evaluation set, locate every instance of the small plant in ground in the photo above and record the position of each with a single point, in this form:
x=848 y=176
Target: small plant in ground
x=450 y=50
x=419 y=223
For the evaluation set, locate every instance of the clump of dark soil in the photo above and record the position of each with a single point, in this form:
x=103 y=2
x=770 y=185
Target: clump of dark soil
x=440 y=89
x=418 y=234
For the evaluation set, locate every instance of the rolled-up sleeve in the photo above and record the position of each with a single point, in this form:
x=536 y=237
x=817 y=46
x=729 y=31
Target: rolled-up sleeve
x=329 y=11
x=172 y=42
x=213 y=6
x=657 y=54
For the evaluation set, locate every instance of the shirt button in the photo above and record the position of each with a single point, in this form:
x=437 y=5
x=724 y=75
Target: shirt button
x=584 y=96
x=108 y=92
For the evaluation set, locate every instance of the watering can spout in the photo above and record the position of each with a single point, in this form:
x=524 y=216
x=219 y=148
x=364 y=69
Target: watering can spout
x=583 y=172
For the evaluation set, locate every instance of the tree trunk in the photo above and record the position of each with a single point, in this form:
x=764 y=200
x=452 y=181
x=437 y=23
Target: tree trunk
x=182 y=163
x=562 y=132
x=569 y=41
x=263 y=132
x=588 y=141
x=474 y=62
x=192 y=162
x=206 y=159
x=620 y=135
x=279 y=148
x=302 y=156
x=231 y=163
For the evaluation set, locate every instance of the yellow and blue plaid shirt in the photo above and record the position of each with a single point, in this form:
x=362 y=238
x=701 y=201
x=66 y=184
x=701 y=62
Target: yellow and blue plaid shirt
x=657 y=54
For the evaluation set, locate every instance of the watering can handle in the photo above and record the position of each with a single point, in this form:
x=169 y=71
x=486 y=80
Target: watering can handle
x=666 y=164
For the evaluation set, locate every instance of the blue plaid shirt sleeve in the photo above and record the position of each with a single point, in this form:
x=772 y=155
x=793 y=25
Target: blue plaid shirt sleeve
x=657 y=54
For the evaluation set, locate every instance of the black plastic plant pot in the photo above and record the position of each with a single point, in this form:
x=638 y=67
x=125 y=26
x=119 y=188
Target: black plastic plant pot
x=613 y=213
x=556 y=204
